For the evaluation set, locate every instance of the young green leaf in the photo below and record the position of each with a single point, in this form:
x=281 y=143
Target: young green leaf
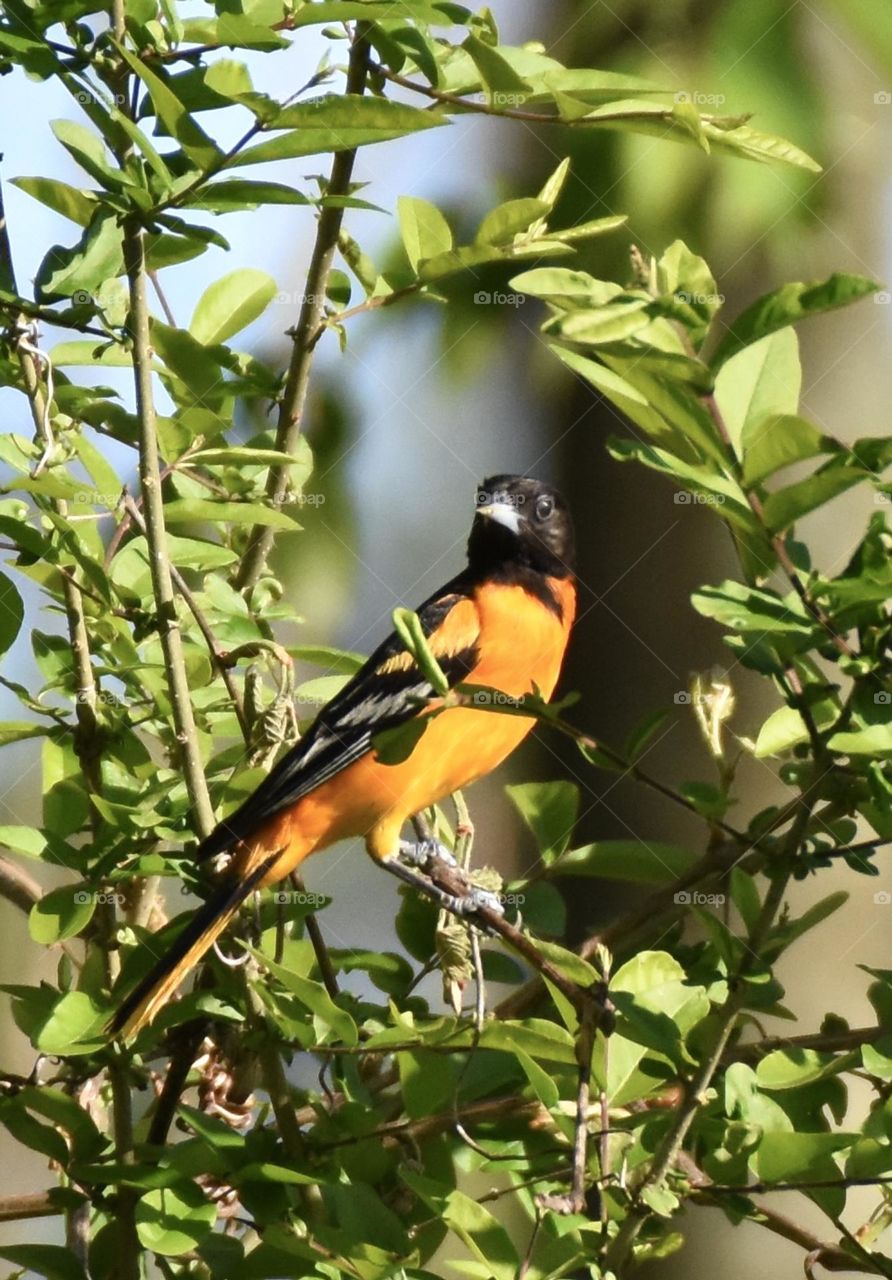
x=424 y=230
x=230 y=304
x=787 y=305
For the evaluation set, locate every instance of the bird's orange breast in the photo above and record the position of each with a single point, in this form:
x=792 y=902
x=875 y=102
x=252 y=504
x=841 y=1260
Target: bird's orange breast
x=521 y=644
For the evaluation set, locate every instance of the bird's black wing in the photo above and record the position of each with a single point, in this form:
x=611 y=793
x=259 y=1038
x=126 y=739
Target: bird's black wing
x=385 y=693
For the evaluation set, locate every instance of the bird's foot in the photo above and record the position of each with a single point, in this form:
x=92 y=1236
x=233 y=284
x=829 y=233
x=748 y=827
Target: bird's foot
x=418 y=853
x=420 y=856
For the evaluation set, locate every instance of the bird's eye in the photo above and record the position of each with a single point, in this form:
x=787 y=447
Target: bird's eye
x=544 y=508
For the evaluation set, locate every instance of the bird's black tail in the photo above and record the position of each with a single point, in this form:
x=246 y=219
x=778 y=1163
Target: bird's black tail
x=187 y=949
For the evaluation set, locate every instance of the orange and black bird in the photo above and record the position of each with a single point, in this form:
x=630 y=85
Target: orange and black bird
x=503 y=622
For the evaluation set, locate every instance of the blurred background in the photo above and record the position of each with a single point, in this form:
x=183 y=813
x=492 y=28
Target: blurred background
x=427 y=400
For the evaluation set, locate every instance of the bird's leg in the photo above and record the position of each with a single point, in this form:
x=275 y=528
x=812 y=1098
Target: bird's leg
x=413 y=858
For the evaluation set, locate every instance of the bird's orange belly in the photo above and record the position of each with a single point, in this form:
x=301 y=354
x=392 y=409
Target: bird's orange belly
x=459 y=745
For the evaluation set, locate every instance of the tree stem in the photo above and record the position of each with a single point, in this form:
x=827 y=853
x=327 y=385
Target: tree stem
x=294 y=398
x=156 y=536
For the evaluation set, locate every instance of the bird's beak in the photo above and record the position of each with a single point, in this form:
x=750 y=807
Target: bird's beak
x=502 y=513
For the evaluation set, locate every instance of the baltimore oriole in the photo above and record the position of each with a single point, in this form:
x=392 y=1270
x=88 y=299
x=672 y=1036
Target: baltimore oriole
x=503 y=622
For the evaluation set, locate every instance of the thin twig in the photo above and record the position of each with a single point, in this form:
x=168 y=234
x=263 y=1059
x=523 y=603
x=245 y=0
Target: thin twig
x=156 y=535
x=667 y=1153
x=32 y=1204
x=294 y=397
x=832 y=1042
x=217 y=654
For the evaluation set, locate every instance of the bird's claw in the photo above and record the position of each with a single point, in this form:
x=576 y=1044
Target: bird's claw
x=419 y=853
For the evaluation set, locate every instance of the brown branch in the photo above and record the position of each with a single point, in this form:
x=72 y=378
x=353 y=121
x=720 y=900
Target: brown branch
x=156 y=535
x=833 y=1042
x=695 y=1095
x=294 y=397
x=511 y=113
x=827 y=1254
x=31 y=1204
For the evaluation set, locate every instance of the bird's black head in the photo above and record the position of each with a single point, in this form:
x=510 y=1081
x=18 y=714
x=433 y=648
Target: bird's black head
x=520 y=525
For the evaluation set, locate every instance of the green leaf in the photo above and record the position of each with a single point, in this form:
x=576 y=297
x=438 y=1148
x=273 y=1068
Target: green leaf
x=791 y=1068
x=767 y=148
x=174 y=115
x=637 y=861
x=18 y=731
x=173 y=1220
x=424 y=230
x=78 y=206
x=89 y=152
x=189 y=361
x=786 y=506
x=658 y=1007
x=78 y=272
x=788 y=1157
x=334 y=123
x=785 y=727
x=315 y=998
x=337 y=660
x=504 y=86
x=186 y=509
x=619 y=319
x=427 y=1081
x=230 y=304
x=719 y=491
x=761 y=379
x=544 y=1085
x=393 y=746
x=131 y=572
x=12 y=612
x=787 y=305
x=618 y=390
x=67 y=1025
x=408 y=627
x=49 y=1260
x=549 y=809
x=776 y=440
x=873 y=739
x=483 y=1236
x=26 y=840
x=61 y=914
x=234 y=195
x=749 y=609
x=503 y=223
